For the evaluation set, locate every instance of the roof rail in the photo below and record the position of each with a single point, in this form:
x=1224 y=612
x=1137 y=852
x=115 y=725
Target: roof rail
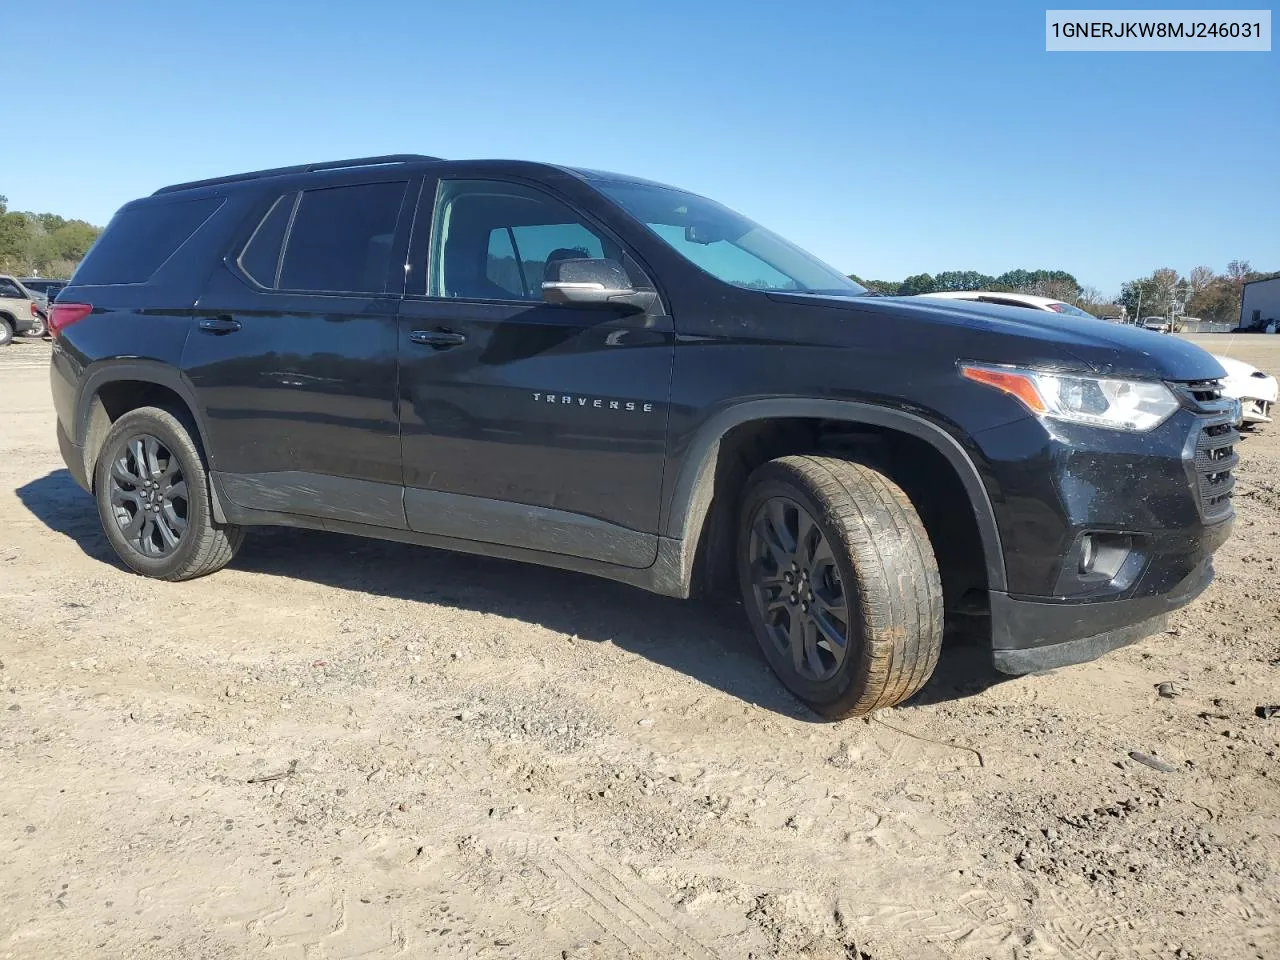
x=301 y=168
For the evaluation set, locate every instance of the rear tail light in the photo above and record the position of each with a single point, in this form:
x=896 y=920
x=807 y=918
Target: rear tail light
x=63 y=315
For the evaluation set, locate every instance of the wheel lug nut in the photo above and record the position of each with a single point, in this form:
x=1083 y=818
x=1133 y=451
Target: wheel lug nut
x=804 y=607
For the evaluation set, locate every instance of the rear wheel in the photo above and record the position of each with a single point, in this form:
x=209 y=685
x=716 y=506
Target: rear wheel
x=6 y=332
x=37 y=328
x=152 y=492
x=840 y=583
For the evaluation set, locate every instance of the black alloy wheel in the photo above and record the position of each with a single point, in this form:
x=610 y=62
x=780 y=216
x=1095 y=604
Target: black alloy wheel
x=148 y=497
x=797 y=588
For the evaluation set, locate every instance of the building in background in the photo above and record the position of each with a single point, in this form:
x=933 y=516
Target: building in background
x=1260 y=305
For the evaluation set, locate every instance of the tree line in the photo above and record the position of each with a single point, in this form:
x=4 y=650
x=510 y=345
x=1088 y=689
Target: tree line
x=1204 y=293
x=42 y=243
x=1056 y=284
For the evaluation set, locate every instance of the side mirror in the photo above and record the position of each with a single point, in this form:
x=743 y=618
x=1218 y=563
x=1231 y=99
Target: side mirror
x=586 y=282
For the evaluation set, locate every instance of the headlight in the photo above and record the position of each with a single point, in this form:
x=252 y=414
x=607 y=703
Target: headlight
x=1133 y=405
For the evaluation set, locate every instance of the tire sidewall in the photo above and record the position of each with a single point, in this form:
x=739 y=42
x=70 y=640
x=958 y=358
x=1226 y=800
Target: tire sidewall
x=773 y=480
x=6 y=332
x=169 y=431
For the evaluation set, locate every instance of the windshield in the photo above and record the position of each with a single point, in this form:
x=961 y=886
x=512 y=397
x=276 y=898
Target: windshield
x=725 y=244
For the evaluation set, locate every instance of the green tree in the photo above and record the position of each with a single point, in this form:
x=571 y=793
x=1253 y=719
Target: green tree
x=886 y=288
x=961 y=280
x=920 y=283
x=43 y=242
x=73 y=239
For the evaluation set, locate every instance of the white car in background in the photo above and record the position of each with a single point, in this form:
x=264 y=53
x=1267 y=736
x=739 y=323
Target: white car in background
x=1255 y=390
x=1012 y=300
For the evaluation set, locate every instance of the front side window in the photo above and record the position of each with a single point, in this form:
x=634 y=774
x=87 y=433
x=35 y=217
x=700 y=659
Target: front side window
x=493 y=240
x=340 y=239
x=725 y=244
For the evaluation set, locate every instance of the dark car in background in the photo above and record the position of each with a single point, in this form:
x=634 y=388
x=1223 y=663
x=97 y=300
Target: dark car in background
x=605 y=374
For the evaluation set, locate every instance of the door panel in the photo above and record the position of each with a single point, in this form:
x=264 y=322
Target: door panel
x=560 y=409
x=299 y=387
x=543 y=405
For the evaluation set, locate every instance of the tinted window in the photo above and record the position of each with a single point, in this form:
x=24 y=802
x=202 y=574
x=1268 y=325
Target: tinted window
x=138 y=240
x=493 y=240
x=341 y=239
x=725 y=260
x=10 y=289
x=726 y=244
x=261 y=257
x=503 y=267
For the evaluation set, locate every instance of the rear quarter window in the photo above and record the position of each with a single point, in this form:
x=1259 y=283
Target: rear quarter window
x=139 y=240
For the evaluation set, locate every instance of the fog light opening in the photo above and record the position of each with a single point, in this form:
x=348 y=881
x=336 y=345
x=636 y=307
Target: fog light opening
x=1088 y=553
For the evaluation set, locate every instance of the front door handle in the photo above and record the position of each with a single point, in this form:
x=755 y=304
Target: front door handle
x=218 y=325
x=438 y=338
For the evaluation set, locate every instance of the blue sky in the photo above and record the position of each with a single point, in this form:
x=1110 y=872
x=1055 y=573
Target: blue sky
x=888 y=138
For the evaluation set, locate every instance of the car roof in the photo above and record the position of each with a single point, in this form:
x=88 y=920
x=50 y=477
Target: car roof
x=400 y=163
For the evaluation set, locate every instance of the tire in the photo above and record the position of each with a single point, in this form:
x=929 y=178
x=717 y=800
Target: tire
x=152 y=491
x=870 y=560
x=6 y=332
x=38 y=328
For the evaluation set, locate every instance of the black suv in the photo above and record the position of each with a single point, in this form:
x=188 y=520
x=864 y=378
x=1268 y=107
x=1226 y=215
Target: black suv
x=605 y=374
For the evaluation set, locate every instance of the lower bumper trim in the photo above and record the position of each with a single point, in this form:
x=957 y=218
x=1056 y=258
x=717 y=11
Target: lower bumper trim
x=1029 y=636
x=1080 y=650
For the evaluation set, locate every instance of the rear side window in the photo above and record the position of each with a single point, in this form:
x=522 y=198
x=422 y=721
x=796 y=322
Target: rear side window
x=341 y=237
x=261 y=257
x=139 y=240
x=11 y=291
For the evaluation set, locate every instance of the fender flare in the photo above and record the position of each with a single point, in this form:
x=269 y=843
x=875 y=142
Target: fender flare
x=691 y=497
x=142 y=371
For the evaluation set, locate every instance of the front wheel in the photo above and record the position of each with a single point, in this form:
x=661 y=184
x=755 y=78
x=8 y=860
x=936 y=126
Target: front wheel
x=152 y=491
x=840 y=583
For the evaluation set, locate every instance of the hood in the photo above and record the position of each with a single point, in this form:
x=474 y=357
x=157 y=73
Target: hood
x=1096 y=346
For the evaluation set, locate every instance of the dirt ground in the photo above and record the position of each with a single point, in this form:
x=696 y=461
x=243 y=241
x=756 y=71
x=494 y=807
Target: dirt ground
x=343 y=748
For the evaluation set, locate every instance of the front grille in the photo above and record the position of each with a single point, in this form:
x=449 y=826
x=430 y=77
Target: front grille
x=1199 y=394
x=1215 y=458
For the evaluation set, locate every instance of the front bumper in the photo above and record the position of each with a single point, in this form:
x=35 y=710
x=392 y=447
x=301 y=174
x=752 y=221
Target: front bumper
x=1028 y=636
x=1104 y=533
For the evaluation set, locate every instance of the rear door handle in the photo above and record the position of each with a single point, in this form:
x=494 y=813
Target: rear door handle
x=218 y=325
x=438 y=338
